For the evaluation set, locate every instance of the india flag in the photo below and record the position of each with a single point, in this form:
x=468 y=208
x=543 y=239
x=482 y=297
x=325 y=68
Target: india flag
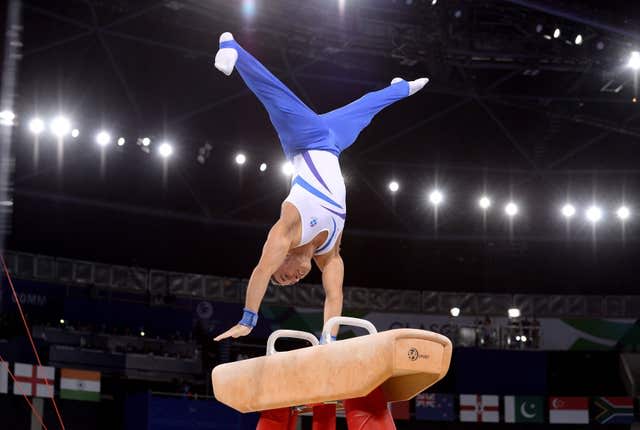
x=79 y=385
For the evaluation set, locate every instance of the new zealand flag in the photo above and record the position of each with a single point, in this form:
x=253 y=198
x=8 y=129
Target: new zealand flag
x=434 y=407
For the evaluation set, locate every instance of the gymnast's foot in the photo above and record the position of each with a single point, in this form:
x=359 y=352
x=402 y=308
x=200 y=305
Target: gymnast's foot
x=414 y=86
x=226 y=57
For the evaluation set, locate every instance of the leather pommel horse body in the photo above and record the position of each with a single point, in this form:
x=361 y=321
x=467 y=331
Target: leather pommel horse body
x=402 y=362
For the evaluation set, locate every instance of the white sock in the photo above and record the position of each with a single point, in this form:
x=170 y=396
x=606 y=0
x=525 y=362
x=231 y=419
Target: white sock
x=226 y=57
x=414 y=86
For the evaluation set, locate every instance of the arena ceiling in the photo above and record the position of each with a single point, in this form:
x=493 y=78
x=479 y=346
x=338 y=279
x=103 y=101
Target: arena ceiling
x=537 y=119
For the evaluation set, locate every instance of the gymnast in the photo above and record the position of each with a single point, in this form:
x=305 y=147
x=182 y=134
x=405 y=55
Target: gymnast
x=312 y=216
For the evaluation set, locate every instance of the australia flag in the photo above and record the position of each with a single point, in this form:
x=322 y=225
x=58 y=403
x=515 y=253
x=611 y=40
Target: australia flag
x=434 y=407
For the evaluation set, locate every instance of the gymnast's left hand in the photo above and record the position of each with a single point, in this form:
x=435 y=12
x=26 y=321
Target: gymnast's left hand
x=235 y=331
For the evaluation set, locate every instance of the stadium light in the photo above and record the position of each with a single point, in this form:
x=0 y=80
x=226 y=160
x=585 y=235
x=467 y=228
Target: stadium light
x=518 y=338
x=287 y=168
x=436 y=197
x=146 y=141
x=241 y=159
x=142 y=333
x=249 y=8
x=511 y=209
x=556 y=33
x=36 y=126
x=623 y=213
x=578 y=40
x=394 y=186
x=484 y=202
x=75 y=133
x=634 y=60
x=263 y=167
x=103 y=138
x=7 y=117
x=60 y=126
x=121 y=141
x=455 y=311
x=62 y=321
x=433 y=2
x=513 y=312
x=594 y=214
x=568 y=210
x=165 y=150
x=523 y=338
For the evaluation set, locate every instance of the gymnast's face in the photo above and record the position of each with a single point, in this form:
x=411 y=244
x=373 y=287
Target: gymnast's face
x=294 y=268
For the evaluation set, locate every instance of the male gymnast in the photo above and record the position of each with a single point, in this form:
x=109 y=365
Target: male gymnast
x=312 y=216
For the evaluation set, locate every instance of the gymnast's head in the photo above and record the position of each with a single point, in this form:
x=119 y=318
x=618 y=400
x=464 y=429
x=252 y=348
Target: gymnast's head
x=294 y=268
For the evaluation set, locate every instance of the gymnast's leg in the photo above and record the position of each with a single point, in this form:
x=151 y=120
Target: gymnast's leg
x=348 y=121
x=296 y=124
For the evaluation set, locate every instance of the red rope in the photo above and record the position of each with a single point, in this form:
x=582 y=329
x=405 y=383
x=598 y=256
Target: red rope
x=33 y=409
x=33 y=345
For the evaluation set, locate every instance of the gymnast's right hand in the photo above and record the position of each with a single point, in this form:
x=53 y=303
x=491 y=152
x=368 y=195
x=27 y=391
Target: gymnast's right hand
x=244 y=326
x=235 y=331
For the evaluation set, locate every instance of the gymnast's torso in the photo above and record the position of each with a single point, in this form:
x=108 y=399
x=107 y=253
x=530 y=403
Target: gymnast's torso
x=318 y=193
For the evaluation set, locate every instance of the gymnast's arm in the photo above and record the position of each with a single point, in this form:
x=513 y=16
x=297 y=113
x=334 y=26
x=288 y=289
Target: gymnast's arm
x=332 y=268
x=274 y=252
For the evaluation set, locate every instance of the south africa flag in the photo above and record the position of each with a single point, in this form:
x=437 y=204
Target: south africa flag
x=613 y=410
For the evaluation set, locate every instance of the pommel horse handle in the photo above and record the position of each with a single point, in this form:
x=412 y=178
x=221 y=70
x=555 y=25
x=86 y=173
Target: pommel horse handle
x=295 y=334
x=355 y=322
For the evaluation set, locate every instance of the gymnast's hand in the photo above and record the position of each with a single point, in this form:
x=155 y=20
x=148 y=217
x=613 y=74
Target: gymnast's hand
x=235 y=331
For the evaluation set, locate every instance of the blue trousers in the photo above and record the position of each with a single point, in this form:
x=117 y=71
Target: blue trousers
x=300 y=128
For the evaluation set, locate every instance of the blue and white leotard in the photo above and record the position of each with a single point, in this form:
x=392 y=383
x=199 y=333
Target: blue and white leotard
x=313 y=142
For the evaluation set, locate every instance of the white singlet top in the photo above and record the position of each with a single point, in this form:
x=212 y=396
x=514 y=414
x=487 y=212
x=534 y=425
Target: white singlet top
x=318 y=192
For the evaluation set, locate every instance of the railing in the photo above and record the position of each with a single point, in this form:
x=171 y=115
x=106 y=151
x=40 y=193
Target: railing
x=160 y=283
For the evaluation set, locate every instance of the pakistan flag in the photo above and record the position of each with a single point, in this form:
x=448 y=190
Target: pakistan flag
x=523 y=409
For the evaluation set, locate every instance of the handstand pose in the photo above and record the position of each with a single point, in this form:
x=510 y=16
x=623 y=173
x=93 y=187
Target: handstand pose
x=313 y=214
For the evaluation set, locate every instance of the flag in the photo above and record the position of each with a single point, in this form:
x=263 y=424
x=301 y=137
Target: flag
x=4 y=377
x=79 y=385
x=568 y=410
x=34 y=381
x=613 y=410
x=481 y=408
x=400 y=410
x=523 y=409
x=434 y=407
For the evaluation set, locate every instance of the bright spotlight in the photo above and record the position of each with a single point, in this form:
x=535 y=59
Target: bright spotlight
x=142 y=333
x=249 y=8
x=60 y=126
x=287 y=168
x=511 y=209
x=523 y=338
x=121 y=141
x=241 y=159
x=103 y=138
x=568 y=210
x=75 y=133
x=634 y=60
x=263 y=167
x=7 y=117
x=484 y=202
x=556 y=33
x=165 y=150
x=455 y=311
x=518 y=338
x=433 y=2
x=394 y=186
x=623 y=213
x=578 y=40
x=61 y=321
x=36 y=126
x=146 y=141
x=436 y=197
x=513 y=312
x=594 y=214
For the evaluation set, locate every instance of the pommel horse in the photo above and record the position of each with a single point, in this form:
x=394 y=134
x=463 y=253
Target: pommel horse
x=363 y=373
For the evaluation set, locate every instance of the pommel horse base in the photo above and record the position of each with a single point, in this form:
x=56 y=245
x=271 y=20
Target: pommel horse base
x=364 y=372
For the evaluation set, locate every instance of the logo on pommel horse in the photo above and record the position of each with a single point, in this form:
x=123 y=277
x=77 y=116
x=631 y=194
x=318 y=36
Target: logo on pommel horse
x=413 y=355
